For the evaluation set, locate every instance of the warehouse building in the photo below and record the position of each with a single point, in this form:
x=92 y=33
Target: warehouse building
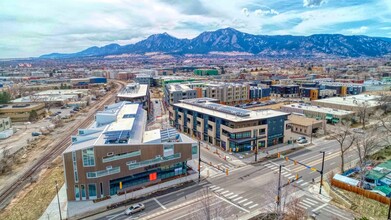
x=349 y=103
x=117 y=152
x=23 y=112
x=230 y=128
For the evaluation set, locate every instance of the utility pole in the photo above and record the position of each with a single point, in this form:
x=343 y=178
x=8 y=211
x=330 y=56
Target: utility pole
x=279 y=192
x=255 y=145
x=199 y=161
x=58 y=200
x=321 y=173
x=312 y=125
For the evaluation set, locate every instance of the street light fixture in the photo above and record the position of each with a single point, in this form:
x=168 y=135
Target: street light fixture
x=58 y=200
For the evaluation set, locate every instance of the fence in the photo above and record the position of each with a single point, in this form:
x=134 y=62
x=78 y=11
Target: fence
x=360 y=191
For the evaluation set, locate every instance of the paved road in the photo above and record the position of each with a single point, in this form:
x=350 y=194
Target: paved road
x=250 y=189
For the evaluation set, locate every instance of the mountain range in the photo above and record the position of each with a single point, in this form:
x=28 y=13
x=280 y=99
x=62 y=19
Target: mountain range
x=231 y=40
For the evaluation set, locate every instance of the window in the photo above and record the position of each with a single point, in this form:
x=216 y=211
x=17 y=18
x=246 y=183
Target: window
x=120 y=156
x=75 y=174
x=168 y=150
x=153 y=161
x=77 y=192
x=194 y=149
x=106 y=172
x=92 y=191
x=101 y=190
x=83 y=192
x=262 y=131
x=88 y=157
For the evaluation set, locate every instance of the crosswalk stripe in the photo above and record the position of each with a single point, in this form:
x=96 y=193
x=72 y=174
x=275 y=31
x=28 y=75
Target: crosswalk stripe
x=274 y=168
x=246 y=204
x=284 y=172
x=219 y=190
x=289 y=176
x=301 y=203
x=215 y=188
x=299 y=181
x=228 y=194
x=332 y=212
x=233 y=196
x=301 y=206
x=307 y=202
x=303 y=184
x=242 y=201
x=205 y=183
x=316 y=202
x=237 y=199
x=253 y=206
x=225 y=192
x=212 y=187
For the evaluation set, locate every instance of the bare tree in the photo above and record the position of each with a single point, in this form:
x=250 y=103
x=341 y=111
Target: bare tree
x=341 y=133
x=365 y=145
x=364 y=110
x=210 y=207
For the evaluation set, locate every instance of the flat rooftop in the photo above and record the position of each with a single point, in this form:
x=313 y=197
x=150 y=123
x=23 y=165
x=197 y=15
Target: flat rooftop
x=352 y=101
x=134 y=90
x=304 y=121
x=227 y=112
x=178 y=87
x=20 y=106
x=315 y=108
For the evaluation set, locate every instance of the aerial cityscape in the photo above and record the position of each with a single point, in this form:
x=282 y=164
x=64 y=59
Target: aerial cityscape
x=166 y=109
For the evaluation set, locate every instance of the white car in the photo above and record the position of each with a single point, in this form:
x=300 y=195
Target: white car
x=134 y=209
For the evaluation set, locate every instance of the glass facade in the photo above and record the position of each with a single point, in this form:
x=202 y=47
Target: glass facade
x=92 y=191
x=153 y=161
x=83 y=192
x=88 y=157
x=163 y=172
x=97 y=174
x=121 y=156
x=74 y=161
x=77 y=192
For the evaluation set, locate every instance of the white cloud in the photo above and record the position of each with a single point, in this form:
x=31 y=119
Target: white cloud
x=261 y=12
x=313 y=3
x=245 y=12
x=360 y=30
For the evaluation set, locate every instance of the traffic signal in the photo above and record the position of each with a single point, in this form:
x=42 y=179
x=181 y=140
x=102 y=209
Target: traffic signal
x=278 y=155
x=120 y=185
x=297 y=176
x=226 y=171
x=286 y=158
x=295 y=162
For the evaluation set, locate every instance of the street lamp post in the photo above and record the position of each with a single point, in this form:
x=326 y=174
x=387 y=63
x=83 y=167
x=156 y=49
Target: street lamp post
x=58 y=200
x=312 y=125
x=199 y=161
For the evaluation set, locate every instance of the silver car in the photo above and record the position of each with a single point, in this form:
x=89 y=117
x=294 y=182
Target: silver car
x=134 y=209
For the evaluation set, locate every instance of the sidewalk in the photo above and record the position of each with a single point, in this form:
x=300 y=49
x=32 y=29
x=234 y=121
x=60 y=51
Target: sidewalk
x=78 y=209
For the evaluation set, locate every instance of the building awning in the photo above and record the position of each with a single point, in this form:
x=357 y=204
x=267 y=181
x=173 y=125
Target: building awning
x=244 y=140
x=329 y=117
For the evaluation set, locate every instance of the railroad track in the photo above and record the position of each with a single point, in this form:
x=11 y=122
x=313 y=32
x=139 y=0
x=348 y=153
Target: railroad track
x=55 y=151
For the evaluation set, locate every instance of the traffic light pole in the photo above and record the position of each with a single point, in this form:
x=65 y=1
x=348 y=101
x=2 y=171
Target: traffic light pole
x=321 y=173
x=256 y=145
x=279 y=191
x=199 y=161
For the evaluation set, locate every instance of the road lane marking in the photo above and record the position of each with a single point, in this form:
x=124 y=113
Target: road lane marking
x=219 y=190
x=299 y=181
x=214 y=186
x=114 y=216
x=253 y=206
x=233 y=196
x=161 y=205
x=276 y=164
x=303 y=207
x=229 y=194
x=233 y=204
x=303 y=184
x=225 y=192
x=303 y=204
x=316 y=202
x=320 y=207
x=246 y=204
x=289 y=176
x=242 y=201
x=237 y=199
x=307 y=202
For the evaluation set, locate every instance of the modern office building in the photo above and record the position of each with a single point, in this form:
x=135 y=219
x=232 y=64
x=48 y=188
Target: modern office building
x=285 y=91
x=206 y=72
x=146 y=79
x=231 y=128
x=117 y=150
x=136 y=93
x=22 y=112
x=225 y=93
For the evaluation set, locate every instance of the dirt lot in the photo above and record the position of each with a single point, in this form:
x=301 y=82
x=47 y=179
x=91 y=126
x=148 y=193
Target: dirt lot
x=32 y=202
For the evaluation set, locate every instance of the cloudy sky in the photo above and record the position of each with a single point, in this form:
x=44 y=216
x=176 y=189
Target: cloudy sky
x=35 y=27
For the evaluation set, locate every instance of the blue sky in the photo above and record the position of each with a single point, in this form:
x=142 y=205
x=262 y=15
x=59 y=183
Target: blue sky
x=35 y=27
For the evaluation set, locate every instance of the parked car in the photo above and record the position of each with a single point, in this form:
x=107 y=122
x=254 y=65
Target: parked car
x=134 y=209
x=156 y=102
x=301 y=138
x=34 y=134
x=63 y=107
x=302 y=141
